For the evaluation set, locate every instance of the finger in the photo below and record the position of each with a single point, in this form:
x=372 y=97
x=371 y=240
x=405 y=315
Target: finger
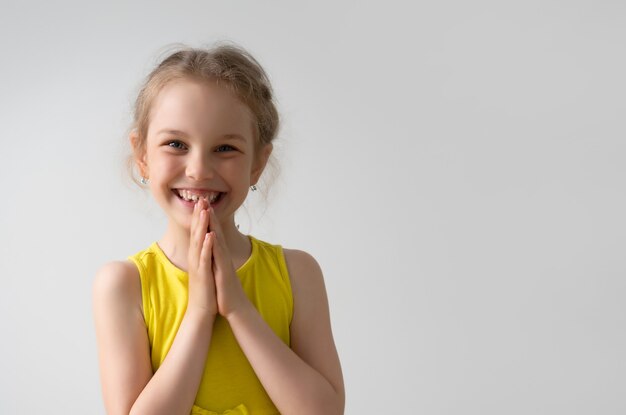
x=218 y=243
x=198 y=234
x=206 y=254
x=207 y=225
x=194 y=218
x=193 y=242
x=215 y=225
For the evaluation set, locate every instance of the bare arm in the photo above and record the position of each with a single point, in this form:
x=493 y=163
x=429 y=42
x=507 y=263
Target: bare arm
x=307 y=378
x=128 y=384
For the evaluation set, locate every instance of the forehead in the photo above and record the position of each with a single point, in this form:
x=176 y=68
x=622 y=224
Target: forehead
x=202 y=108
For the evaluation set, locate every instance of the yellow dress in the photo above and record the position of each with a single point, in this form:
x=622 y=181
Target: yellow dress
x=229 y=385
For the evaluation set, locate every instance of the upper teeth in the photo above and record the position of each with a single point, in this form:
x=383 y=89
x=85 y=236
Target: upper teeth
x=194 y=197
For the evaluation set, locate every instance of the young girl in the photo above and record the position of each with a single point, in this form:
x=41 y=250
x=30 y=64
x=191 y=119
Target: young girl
x=208 y=320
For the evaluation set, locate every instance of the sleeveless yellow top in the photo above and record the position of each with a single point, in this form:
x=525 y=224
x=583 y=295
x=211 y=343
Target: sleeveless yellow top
x=229 y=385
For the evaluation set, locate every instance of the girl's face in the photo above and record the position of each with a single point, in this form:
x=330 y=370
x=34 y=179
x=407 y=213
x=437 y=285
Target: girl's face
x=200 y=142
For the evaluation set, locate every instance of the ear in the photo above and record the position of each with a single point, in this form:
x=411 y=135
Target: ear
x=260 y=162
x=139 y=153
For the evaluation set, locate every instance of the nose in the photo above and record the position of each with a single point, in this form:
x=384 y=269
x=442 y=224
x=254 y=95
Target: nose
x=199 y=167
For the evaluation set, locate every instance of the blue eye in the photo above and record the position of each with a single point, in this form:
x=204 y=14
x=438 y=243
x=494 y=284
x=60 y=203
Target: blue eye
x=225 y=146
x=176 y=144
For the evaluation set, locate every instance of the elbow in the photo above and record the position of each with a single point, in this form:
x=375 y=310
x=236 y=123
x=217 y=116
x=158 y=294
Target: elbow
x=334 y=404
x=339 y=403
x=332 y=408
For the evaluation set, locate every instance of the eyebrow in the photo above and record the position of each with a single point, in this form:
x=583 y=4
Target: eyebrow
x=172 y=132
x=184 y=134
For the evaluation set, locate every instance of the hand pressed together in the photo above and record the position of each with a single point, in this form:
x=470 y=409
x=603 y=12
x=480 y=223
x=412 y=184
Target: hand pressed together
x=230 y=294
x=214 y=285
x=202 y=294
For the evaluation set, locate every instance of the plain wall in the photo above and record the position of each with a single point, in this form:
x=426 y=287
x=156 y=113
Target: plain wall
x=457 y=169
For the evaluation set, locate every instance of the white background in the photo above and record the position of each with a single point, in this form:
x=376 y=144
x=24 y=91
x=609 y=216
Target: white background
x=456 y=167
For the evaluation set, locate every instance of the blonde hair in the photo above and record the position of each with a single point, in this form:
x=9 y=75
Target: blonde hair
x=226 y=64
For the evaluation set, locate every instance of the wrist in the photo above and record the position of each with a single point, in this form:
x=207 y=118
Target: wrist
x=200 y=315
x=245 y=308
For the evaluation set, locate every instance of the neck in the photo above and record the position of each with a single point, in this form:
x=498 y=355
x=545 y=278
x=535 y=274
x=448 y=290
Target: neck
x=175 y=244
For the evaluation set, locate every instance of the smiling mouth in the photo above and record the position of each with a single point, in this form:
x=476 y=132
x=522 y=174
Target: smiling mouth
x=187 y=196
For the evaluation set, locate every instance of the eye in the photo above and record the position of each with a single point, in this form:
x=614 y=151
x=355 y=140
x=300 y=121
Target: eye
x=225 y=147
x=176 y=145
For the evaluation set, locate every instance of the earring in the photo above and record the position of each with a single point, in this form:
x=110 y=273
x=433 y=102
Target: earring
x=144 y=180
x=253 y=188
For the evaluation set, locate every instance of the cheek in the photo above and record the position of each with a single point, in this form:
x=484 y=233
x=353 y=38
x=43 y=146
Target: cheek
x=164 y=165
x=239 y=174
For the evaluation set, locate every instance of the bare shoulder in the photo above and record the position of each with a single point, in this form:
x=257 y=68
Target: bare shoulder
x=117 y=271
x=118 y=281
x=307 y=281
x=303 y=267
